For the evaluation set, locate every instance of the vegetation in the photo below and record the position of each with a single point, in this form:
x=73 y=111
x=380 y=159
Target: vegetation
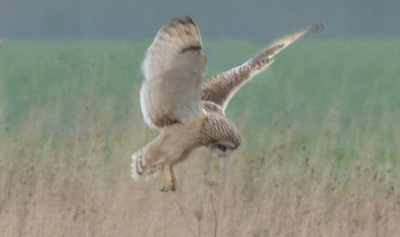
x=320 y=157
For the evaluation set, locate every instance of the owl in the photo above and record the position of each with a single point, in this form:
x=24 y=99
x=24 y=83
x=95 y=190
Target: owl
x=188 y=112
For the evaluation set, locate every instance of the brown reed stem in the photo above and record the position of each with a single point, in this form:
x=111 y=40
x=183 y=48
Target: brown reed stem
x=215 y=215
x=185 y=217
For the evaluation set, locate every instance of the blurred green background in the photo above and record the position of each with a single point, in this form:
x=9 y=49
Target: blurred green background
x=255 y=20
x=61 y=61
x=349 y=87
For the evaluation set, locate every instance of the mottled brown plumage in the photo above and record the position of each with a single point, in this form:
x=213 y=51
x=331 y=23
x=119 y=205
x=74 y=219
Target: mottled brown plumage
x=221 y=88
x=188 y=113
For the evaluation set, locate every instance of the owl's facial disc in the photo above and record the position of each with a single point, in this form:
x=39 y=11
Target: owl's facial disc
x=222 y=149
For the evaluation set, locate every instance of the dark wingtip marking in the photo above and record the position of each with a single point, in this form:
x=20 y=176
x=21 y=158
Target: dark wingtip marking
x=317 y=27
x=175 y=21
x=183 y=20
x=188 y=19
x=191 y=48
x=320 y=26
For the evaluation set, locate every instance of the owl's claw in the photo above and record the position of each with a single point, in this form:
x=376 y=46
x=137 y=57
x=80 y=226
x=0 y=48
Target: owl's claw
x=166 y=188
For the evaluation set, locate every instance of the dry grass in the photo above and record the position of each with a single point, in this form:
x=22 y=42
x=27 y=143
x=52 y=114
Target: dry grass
x=80 y=186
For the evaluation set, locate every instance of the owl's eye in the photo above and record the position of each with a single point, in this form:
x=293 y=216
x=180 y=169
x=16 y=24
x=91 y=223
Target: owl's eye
x=221 y=147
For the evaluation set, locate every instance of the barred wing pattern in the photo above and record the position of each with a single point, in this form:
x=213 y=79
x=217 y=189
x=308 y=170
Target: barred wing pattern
x=173 y=69
x=221 y=88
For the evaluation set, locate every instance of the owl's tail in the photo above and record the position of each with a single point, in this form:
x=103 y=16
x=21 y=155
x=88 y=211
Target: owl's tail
x=137 y=165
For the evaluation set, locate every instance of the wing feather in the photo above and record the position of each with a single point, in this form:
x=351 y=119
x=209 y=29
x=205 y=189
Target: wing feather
x=222 y=87
x=173 y=71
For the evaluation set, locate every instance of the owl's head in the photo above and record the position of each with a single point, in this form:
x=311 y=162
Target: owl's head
x=220 y=135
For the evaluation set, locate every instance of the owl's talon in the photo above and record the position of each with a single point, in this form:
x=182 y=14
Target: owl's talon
x=166 y=188
x=163 y=189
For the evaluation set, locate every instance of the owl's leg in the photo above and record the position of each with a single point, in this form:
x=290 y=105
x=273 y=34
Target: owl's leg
x=170 y=178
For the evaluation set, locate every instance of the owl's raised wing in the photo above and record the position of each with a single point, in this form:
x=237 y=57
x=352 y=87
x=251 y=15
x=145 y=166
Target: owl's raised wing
x=173 y=74
x=222 y=87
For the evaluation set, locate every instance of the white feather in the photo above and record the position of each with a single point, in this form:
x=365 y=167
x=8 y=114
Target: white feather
x=134 y=173
x=143 y=107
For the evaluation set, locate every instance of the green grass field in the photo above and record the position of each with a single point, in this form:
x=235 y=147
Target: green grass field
x=354 y=83
x=321 y=149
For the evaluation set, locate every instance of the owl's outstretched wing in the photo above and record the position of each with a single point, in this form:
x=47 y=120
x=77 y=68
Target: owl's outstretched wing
x=173 y=74
x=222 y=87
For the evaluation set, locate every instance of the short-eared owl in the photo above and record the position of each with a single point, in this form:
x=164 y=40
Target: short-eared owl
x=188 y=112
